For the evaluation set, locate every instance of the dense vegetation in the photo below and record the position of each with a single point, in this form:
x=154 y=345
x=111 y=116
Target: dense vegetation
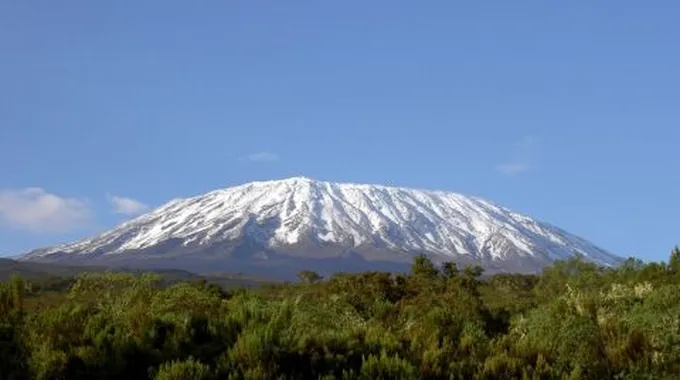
x=575 y=321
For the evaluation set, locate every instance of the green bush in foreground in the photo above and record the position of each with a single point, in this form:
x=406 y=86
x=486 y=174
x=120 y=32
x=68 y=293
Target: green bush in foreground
x=574 y=321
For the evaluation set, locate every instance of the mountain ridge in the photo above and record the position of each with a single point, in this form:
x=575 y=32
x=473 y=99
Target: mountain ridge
x=305 y=218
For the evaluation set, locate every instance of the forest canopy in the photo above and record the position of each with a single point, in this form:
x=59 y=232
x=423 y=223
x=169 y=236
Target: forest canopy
x=574 y=321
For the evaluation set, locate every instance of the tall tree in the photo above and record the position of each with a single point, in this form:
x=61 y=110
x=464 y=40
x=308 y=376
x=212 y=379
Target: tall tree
x=674 y=262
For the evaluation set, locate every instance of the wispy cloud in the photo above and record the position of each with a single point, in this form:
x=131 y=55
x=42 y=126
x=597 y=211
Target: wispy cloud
x=523 y=156
x=36 y=210
x=126 y=206
x=261 y=157
x=512 y=168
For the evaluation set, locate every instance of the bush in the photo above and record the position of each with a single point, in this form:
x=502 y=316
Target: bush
x=575 y=321
x=183 y=370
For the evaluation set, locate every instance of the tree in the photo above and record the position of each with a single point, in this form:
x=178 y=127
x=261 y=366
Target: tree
x=309 y=277
x=575 y=320
x=423 y=267
x=18 y=288
x=450 y=270
x=13 y=353
x=674 y=262
x=470 y=278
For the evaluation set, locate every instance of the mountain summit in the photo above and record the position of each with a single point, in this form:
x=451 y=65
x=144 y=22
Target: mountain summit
x=298 y=222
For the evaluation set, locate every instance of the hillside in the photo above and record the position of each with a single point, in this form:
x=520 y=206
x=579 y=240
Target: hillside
x=298 y=223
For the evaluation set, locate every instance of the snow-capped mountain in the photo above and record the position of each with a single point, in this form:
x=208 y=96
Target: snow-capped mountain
x=301 y=218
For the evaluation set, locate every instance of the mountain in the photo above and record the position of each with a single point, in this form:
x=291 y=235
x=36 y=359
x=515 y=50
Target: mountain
x=299 y=223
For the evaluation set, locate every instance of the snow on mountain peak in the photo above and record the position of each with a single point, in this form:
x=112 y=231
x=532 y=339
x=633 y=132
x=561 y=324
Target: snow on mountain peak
x=283 y=213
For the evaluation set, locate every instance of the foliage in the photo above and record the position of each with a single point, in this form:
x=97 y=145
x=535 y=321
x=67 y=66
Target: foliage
x=183 y=370
x=574 y=321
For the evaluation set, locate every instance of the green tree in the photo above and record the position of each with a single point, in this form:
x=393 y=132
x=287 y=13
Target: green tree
x=575 y=320
x=309 y=277
x=674 y=262
x=13 y=353
x=423 y=267
x=450 y=270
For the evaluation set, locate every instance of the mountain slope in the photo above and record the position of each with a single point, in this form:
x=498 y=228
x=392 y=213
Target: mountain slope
x=307 y=219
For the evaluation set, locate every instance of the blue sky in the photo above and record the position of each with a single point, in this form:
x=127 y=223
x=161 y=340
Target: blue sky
x=568 y=112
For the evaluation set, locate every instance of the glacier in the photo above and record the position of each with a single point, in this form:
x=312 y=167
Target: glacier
x=300 y=213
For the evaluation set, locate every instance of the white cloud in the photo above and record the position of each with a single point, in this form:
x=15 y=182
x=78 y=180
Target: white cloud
x=261 y=157
x=512 y=168
x=126 y=206
x=36 y=210
x=523 y=158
